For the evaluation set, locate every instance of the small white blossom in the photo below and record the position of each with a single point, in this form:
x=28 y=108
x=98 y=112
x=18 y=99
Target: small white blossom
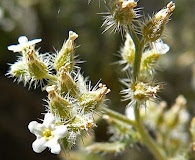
x=48 y=134
x=127 y=52
x=160 y=47
x=129 y=112
x=164 y=14
x=23 y=44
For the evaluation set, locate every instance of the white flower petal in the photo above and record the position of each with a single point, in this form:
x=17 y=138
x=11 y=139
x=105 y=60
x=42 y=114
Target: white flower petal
x=130 y=113
x=23 y=44
x=48 y=120
x=14 y=48
x=34 y=41
x=23 y=40
x=60 y=131
x=35 y=128
x=54 y=145
x=161 y=47
x=39 y=145
x=56 y=149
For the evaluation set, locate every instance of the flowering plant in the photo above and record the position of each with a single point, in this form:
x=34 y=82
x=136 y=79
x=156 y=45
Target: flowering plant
x=72 y=103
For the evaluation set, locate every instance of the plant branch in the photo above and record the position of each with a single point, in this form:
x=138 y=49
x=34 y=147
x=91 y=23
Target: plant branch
x=139 y=45
x=118 y=116
x=148 y=141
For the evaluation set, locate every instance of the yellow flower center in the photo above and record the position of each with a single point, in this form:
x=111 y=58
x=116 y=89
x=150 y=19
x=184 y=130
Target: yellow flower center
x=47 y=134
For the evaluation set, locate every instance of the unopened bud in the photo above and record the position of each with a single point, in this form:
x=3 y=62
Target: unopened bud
x=128 y=51
x=66 y=54
x=91 y=100
x=121 y=15
x=66 y=83
x=174 y=116
x=153 y=29
x=59 y=106
x=37 y=69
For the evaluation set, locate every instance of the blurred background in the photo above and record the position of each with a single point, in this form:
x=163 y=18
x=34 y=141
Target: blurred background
x=51 y=20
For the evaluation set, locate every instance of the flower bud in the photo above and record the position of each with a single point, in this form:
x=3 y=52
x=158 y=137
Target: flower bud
x=121 y=15
x=128 y=51
x=153 y=29
x=66 y=83
x=59 y=106
x=91 y=100
x=154 y=116
x=37 y=69
x=144 y=91
x=148 y=61
x=150 y=58
x=82 y=122
x=66 y=54
x=19 y=71
x=174 y=116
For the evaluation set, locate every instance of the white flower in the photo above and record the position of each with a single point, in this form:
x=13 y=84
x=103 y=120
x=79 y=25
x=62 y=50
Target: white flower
x=127 y=52
x=160 y=47
x=129 y=112
x=48 y=134
x=23 y=44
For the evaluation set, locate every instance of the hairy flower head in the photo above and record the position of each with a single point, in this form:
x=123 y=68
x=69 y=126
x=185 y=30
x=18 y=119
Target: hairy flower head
x=150 y=58
x=66 y=54
x=82 y=122
x=66 y=82
x=58 y=105
x=140 y=92
x=31 y=67
x=154 y=27
x=91 y=100
x=121 y=15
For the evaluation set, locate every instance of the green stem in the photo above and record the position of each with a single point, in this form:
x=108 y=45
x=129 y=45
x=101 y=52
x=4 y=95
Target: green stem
x=51 y=77
x=139 y=45
x=148 y=141
x=118 y=116
x=137 y=60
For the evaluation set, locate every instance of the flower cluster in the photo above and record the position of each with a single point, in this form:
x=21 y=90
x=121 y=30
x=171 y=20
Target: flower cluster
x=169 y=124
x=31 y=67
x=140 y=54
x=144 y=88
x=71 y=101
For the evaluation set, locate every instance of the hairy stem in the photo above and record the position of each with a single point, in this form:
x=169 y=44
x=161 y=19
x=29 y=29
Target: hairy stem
x=118 y=116
x=139 y=45
x=148 y=141
x=137 y=60
x=51 y=77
